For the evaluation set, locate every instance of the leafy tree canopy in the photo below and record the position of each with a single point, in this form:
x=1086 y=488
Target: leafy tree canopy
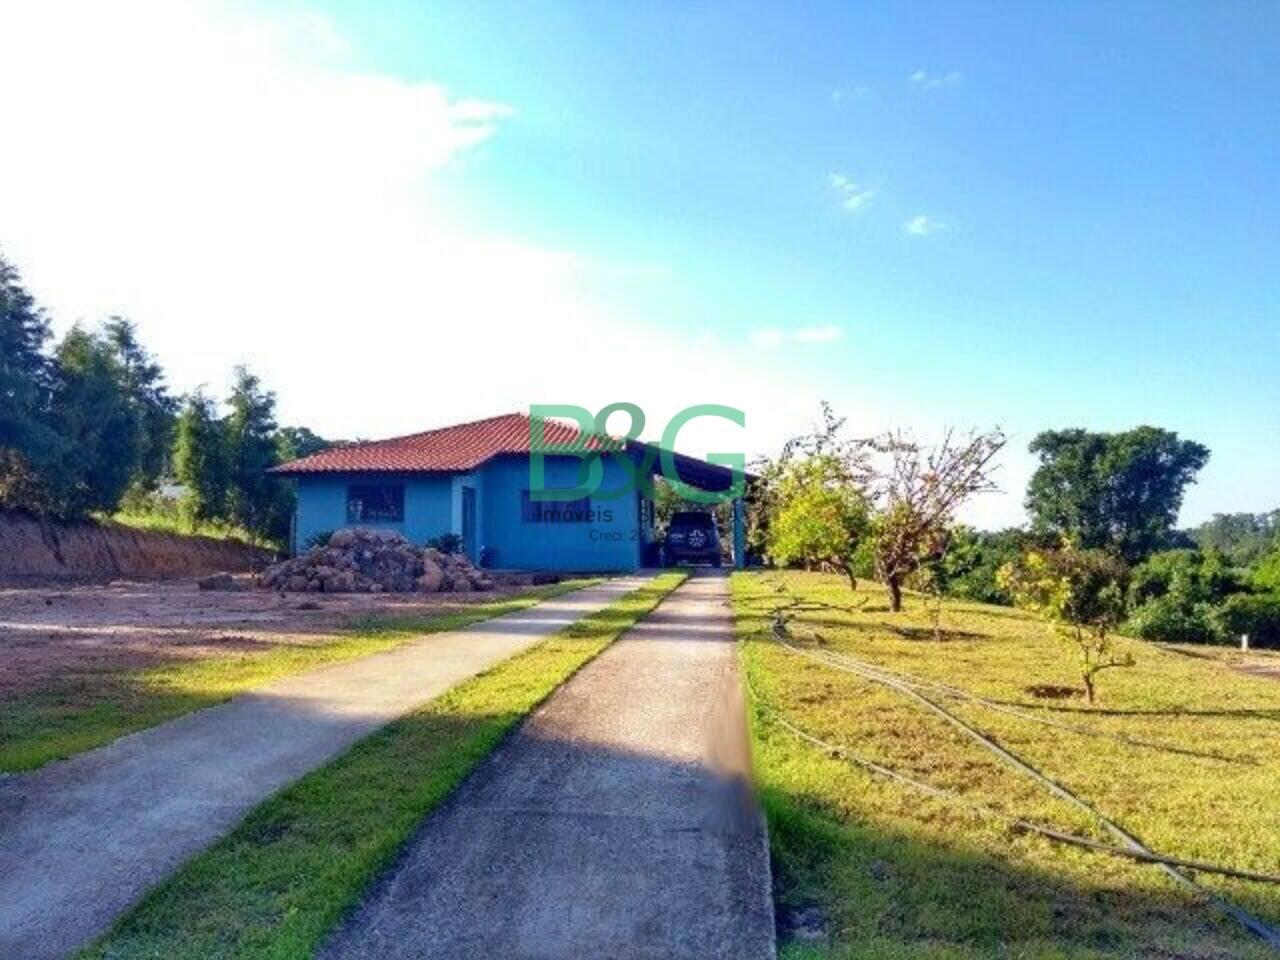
x=1244 y=538
x=821 y=517
x=1266 y=575
x=295 y=442
x=200 y=459
x=142 y=378
x=28 y=442
x=918 y=494
x=1192 y=576
x=973 y=559
x=94 y=412
x=1118 y=491
x=256 y=500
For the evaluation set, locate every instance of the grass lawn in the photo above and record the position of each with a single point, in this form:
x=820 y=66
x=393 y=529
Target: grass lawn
x=94 y=709
x=869 y=868
x=279 y=882
x=171 y=523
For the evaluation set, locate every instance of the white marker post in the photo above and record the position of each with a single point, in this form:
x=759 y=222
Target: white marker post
x=1244 y=641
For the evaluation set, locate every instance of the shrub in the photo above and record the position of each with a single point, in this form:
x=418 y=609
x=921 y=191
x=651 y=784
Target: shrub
x=1194 y=576
x=1171 y=620
x=1266 y=575
x=1258 y=615
x=970 y=567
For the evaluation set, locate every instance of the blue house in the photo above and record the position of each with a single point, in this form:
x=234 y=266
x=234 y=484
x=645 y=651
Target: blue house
x=475 y=480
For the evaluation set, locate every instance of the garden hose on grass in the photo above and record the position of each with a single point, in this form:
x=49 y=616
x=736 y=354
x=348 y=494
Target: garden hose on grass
x=1130 y=847
x=1018 y=823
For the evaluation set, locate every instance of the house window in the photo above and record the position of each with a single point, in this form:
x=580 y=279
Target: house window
x=555 y=511
x=375 y=503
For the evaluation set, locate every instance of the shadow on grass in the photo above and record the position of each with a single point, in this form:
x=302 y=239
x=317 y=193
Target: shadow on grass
x=90 y=708
x=281 y=879
x=849 y=887
x=1244 y=713
x=942 y=636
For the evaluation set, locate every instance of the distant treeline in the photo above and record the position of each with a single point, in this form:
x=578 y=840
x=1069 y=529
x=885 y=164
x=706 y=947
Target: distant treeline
x=90 y=426
x=1113 y=495
x=1121 y=492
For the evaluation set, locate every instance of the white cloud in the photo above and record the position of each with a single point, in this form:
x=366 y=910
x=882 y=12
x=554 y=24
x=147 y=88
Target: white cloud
x=243 y=192
x=927 y=81
x=923 y=226
x=770 y=337
x=240 y=188
x=853 y=196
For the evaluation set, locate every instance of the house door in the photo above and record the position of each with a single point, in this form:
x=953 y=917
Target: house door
x=469 y=521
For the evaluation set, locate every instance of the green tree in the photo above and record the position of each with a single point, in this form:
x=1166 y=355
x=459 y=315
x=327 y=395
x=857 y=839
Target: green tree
x=200 y=460
x=845 y=461
x=1266 y=575
x=1193 y=576
x=1116 y=491
x=92 y=410
x=1243 y=538
x=255 y=499
x=295 y=442
x=29 y=443
x=822 y=517
x=291 y=443
x=1081 y=595
x=918 y=495
x=972 y=561
x=143 y=381
x=1257 y=616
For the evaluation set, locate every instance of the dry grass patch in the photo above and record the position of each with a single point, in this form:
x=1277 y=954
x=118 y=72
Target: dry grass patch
x=885 y=871
x=85 y=708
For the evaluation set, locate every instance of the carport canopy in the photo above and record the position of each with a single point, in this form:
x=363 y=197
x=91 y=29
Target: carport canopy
x=711 y=477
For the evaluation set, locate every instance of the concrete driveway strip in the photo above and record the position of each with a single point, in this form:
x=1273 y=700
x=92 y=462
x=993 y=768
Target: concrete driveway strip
x=83 y=839
x=617 y=822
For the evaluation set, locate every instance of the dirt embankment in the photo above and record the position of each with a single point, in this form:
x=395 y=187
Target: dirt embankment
x=91 y=551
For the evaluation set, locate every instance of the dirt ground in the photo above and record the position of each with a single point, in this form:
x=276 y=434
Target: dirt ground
x=50 y=629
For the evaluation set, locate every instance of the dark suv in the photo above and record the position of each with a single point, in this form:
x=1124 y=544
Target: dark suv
x=692 y=537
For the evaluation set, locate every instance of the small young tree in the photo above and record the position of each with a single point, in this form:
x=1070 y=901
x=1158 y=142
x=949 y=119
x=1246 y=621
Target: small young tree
x=1081 y=594
x=844 y=461
x=919 y=492
x=821 y=516
x=200 y=460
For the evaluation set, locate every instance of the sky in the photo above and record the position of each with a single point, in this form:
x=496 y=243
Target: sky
x=407 y=214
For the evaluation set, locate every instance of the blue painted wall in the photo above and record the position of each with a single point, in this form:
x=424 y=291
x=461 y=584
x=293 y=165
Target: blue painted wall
x=428 y=504
x=433 y=505
x=611 y=542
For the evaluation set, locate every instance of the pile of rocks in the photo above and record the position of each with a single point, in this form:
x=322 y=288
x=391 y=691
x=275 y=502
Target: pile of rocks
x=358 y=560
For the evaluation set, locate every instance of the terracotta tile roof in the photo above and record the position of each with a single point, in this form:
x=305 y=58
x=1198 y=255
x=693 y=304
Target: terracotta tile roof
x=457 y=448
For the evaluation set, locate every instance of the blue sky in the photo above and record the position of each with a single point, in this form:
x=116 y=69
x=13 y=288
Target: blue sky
x=1026 y=214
